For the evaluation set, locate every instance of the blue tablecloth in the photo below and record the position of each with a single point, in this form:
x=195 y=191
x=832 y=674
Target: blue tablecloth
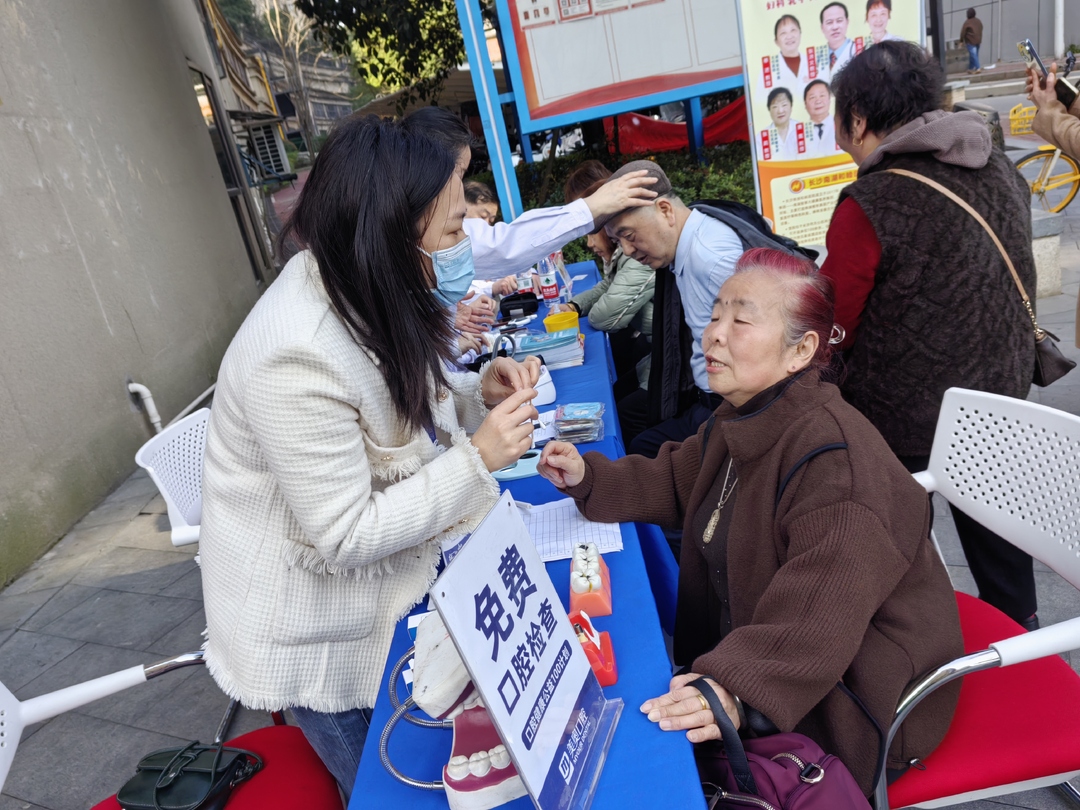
x=645 y=766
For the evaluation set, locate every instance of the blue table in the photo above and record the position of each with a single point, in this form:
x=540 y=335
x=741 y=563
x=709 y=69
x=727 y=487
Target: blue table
x=645 y=766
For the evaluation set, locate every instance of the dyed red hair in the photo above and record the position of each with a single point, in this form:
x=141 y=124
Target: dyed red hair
x=808 y=299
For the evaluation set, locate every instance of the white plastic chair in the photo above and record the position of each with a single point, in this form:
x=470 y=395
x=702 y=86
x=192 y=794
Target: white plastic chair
x=174 y=459
x=293 y=775
x=1013 y=466
x=16 y=715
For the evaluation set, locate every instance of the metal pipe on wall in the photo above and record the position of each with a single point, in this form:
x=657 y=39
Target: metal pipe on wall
x=1059 y=28
x=997 y=32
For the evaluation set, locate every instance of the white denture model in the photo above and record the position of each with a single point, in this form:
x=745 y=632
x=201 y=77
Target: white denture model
x=585 y=569
x=479 y=774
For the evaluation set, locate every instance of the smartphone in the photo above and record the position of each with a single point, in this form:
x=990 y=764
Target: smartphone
x=1067 y=93
x=1031 y=57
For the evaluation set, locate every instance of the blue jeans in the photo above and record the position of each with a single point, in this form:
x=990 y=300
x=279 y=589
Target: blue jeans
x=973 y=57
x=338 y=739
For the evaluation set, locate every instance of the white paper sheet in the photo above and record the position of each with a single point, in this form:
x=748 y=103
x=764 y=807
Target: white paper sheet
x=558 y=526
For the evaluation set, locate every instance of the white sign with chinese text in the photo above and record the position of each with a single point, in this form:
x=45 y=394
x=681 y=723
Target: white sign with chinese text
x=506 y=619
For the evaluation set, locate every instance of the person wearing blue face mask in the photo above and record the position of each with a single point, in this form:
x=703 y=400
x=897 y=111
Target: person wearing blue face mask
x=338 y=462
x=454 y=271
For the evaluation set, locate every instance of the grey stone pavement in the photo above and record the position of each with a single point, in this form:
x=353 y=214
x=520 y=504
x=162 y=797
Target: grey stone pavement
x=114 y=592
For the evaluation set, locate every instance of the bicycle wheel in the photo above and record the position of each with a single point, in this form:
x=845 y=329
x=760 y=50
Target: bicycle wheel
x=1052 y=193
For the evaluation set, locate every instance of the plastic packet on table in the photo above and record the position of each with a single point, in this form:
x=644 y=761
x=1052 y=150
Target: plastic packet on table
x=579 y=410
x=579 y=422
x=579 y=435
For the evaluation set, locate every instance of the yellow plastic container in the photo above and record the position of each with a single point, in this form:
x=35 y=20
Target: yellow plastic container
x=557 y=321
x=1021 y=118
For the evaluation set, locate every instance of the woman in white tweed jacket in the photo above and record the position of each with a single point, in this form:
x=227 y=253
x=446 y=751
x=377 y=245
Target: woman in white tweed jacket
x=337 y=459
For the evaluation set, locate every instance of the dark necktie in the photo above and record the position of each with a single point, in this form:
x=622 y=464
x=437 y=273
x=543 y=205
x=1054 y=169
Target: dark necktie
x=820 y=128
x=832 y=59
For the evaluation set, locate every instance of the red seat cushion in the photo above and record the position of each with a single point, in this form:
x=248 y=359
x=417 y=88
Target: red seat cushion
x=292 y=774
x=1011 y=724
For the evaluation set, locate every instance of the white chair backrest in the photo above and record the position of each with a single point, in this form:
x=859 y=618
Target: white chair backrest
x=174 y=459
x=15 y=715
x=1013 y=466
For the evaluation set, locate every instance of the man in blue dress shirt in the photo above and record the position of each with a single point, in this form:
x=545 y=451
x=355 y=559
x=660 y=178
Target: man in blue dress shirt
x=701 y=253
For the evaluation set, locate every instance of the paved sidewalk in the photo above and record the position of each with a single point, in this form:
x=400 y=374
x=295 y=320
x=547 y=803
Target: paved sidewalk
x=114 y=593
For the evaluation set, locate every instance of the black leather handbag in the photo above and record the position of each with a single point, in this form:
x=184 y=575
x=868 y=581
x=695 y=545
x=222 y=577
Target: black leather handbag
x=194 y=777
x=1050 y=363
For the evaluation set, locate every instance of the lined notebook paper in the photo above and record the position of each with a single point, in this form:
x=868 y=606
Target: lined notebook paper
x=558 y=526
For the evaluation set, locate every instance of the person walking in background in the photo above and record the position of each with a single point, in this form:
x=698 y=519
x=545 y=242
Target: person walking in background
x=971 y=36
x=1057 y=125
x=922 y=292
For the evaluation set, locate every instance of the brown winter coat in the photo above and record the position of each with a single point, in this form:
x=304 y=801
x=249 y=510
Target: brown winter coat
x=1061 y=127
x=836 y=581
x=971 y=31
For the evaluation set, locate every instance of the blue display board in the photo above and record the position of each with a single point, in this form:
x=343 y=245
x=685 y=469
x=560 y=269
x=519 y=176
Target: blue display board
x=570 y=61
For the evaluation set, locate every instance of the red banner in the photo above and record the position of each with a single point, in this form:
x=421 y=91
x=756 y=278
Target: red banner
x=640 y=133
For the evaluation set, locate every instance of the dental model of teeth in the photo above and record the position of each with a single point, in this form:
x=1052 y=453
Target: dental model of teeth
x=590 y=581
x=479 y=775
x=479 y=764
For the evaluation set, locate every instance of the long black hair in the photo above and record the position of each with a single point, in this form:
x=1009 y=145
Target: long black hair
x=362 y=213
x=441 y=126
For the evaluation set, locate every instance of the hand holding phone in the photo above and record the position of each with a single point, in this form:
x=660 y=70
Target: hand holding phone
x=1064 y=89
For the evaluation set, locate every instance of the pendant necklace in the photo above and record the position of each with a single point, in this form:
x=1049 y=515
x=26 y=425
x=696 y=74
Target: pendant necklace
x=725 y=494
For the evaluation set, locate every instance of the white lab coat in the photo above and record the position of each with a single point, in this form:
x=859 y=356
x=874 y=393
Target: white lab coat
x=782 y=76
x=825 y=146
x=844 y=54
x=786 y=148
x=513 y=247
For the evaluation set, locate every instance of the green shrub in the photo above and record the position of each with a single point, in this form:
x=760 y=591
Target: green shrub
x=726 y=173
x=291 y=153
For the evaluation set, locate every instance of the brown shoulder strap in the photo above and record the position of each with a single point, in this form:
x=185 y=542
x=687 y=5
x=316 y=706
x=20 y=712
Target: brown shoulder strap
x=986 y=227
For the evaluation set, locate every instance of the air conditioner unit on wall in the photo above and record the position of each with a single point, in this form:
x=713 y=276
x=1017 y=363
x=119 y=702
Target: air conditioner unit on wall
x=268 y=148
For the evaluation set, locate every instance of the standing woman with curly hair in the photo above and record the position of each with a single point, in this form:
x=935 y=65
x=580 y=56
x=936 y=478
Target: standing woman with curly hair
x=925 y=296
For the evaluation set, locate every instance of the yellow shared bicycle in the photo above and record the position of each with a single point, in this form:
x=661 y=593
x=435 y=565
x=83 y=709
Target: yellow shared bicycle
x=1054 y=177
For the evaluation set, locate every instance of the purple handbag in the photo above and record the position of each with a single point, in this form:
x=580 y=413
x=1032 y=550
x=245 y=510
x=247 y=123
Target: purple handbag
x=777 y=772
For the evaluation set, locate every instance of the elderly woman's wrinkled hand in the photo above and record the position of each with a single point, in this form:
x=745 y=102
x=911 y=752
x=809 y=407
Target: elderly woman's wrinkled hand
x=505 y=375
x=1041 y=91
x=561 y=464
x=684 y=708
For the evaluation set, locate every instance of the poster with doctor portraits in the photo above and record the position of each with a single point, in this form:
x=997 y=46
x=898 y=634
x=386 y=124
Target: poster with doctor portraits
x=791 y=51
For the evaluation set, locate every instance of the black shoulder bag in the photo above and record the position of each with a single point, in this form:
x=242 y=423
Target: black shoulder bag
x=194 y=777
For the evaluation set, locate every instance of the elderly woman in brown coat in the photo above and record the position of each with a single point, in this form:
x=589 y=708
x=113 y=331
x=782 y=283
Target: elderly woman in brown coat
x=807 y=578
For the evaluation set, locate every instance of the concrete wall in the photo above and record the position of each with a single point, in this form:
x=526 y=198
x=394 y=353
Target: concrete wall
x=1019 y=20
x=120 y=256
